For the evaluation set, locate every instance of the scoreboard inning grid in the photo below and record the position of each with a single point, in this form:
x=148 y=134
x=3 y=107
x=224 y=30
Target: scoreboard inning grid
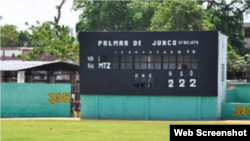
x=149 y=63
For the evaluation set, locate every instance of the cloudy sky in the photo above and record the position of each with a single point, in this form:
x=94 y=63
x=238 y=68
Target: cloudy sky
x=18 y=12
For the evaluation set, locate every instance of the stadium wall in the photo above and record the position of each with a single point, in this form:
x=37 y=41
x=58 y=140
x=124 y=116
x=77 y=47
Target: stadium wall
x=149 y=107
x=237 y=105
x=35 y=100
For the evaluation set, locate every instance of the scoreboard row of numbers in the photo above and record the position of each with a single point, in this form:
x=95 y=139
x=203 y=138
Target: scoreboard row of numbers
x=171 y=83
x=148 y=81
x=165 y=52
x=155 y=62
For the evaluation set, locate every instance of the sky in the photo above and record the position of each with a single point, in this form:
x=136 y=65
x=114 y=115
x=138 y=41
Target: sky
x=17 y=12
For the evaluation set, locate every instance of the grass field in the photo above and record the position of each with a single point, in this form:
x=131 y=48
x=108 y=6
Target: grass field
x=85 y=130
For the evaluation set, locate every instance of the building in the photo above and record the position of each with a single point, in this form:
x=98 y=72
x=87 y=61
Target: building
x=11 y=53
x=41 y=72
x=246 y=34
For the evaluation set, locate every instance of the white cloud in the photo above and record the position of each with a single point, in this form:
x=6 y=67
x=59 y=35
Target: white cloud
x=17 y=12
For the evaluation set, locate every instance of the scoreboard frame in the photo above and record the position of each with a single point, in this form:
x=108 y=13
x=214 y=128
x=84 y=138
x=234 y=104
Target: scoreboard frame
x=173 y=63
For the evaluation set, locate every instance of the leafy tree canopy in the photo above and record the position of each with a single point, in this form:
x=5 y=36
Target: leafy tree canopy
x=51 y=38
x=228 y=17
x=180 y=15
x=114 y=15
x=9 y=36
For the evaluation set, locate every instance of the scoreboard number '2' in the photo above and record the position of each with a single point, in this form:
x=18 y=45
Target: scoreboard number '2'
x=192 y=83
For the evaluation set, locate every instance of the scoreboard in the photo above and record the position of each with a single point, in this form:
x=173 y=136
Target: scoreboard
x=176 y=63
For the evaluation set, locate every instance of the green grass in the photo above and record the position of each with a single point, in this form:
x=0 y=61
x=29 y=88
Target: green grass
x=84 y=130
x=18 y=130
x=75 y=113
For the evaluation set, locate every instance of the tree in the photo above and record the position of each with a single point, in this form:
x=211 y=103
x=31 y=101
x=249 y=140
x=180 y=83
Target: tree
x=52 y=38
x=232 y=57
x=243 y=64
x=140 y=14
x=180 y=15
x=102 y=16
x=9 y=36
x=58 y=7
x=23 y=39
x=114 y=15
x=227 y=16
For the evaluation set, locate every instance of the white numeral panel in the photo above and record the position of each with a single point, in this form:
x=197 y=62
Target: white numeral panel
x=192 y=82
x=182 y=83
x=170 y=83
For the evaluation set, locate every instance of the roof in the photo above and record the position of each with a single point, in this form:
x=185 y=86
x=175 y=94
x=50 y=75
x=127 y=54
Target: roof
x=16 y=48
x=38 y=65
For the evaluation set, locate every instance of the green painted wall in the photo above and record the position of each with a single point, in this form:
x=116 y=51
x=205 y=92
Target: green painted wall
x=235 y=111
x=242 y=93
x=148 y=107
x=230 y=95
x=31 y=100
x=237 y=104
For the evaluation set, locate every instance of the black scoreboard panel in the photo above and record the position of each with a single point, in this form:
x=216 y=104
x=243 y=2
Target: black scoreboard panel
x=149 y=63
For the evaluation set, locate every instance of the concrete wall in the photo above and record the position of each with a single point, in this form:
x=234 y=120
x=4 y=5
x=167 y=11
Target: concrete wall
x=230 y=96
x=242 y=93
x=222 y=71
x=35 y=100
x=237 y=104
x=235 y=111
x=149 y=107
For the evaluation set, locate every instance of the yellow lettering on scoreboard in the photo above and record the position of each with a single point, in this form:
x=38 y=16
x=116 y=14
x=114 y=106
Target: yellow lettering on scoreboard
x=59 y=98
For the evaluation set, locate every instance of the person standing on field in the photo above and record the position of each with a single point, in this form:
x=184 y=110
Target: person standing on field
x=78 y=105
x=72 y=107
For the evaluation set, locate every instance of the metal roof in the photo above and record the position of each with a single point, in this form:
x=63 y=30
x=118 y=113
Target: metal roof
x=23 y=65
